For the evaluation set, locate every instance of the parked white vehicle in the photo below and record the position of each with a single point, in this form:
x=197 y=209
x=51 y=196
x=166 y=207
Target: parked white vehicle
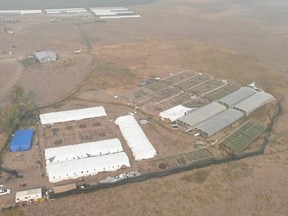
x=4 y=191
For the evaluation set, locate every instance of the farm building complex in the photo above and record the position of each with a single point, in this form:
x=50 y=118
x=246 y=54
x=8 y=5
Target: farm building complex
x=75 y=158
x=78 y=13
x=204 y=119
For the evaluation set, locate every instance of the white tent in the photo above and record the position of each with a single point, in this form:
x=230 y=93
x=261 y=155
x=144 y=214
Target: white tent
x=73 y=152
x=86 y=166
x=175 y=112
x=135 y=137
x=72 y=115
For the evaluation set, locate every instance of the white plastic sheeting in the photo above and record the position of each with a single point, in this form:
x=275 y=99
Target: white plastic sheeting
x=108 y=11
x=114 y=13
x=119 y=17
x=74 y=169
x=66 y=10
x=73 y=152
x=21 y=12
x=135 y=137
x=175 y=112
x=72 y=115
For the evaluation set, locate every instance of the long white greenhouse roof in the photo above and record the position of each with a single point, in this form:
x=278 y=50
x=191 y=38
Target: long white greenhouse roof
x=86 y=166
x=202 y=114
x=219 y=122
x=72 y=115
x=73 y=152
x=254 y=102
x=175 y=112
x=135 y=138
x=237 y=96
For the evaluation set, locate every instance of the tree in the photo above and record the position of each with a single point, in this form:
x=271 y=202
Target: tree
x=19 y=111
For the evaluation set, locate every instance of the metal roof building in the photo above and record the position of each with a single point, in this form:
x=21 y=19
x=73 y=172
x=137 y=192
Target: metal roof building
x=254 y=102
x=237 y=96
x=73 y=169
x=84 y=150
x=135 y=138
x=72 y=115
x=219 y=122
x=45 y=56
x=22 y=140
x=202 y=114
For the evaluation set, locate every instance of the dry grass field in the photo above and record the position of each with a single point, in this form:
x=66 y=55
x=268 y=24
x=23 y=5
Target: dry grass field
x=237 y=41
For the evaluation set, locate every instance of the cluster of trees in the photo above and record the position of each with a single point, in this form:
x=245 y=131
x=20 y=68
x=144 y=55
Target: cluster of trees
x=18 y=112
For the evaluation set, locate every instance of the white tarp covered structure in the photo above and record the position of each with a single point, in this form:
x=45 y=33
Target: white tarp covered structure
x=135 y=138
x=66 y=10
x=72 y=115
x=175 y=112
x=74 y=152
x=73 y=169
x=114 y=12
x=20 y=12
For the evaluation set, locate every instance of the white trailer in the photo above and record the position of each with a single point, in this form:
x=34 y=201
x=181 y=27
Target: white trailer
x=28 y=195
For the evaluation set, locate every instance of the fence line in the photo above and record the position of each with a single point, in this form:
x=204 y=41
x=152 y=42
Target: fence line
x=194 y=165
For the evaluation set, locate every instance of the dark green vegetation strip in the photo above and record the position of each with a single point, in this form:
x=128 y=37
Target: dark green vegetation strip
x=243 y=136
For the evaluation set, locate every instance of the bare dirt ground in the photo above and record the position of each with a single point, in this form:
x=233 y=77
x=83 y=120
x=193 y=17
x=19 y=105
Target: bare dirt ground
x=237 y=42
x=48 y=82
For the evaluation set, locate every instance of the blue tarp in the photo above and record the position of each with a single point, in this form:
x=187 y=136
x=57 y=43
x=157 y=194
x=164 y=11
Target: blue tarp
x=22 y=140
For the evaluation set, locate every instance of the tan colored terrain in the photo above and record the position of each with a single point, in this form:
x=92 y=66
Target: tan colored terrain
x=240 y=42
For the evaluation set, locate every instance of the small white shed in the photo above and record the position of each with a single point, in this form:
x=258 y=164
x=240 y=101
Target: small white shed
x=28 y=195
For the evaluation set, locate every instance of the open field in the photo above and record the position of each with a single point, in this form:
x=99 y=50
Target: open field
x=239 y=43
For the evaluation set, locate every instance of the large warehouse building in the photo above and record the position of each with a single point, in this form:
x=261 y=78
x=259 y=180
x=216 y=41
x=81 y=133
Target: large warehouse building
x=72 y=115
x=135 y=138
x=75 y=161
x=254 y=102
x=201 y=114
x=88 y=166
x=219 y=122
x=237 y=96
x=215 y=116
x=84 y=150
